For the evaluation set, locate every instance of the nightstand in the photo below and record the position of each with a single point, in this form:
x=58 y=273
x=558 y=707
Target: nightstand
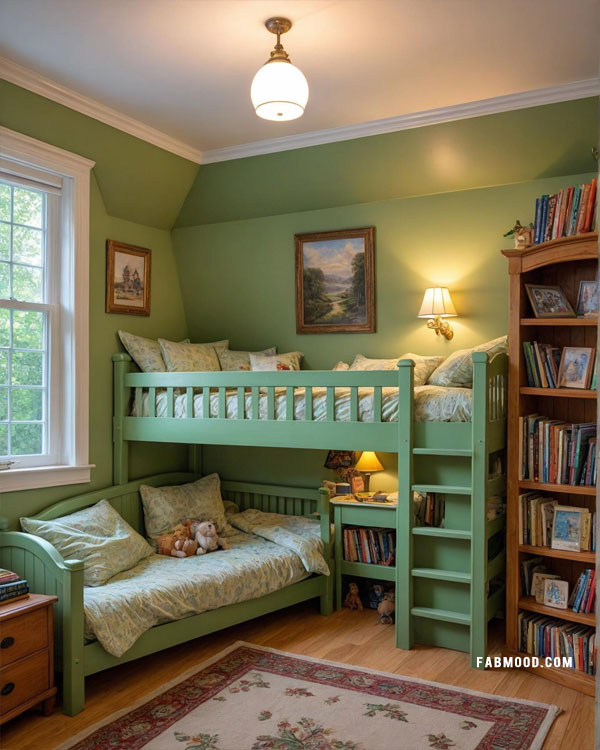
x=26 y=656
x=350 y=512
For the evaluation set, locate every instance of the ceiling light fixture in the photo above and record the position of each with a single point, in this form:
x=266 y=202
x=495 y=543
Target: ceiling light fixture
x=279 y=90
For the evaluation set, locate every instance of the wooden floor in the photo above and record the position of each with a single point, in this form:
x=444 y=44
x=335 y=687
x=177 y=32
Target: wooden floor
x=351 y=637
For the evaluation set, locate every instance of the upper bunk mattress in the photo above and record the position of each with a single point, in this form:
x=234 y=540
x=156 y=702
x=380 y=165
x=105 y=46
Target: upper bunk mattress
x=432 y=404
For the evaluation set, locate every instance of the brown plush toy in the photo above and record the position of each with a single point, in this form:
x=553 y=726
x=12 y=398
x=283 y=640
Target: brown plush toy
x=184 y=545
x=352 y=600
x=205 y=535
x=386 y=608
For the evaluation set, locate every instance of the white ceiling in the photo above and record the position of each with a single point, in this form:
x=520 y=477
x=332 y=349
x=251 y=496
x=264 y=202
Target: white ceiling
x=184 y=67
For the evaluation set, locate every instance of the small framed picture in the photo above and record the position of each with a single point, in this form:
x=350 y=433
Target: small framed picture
x=537 y=584
x=576 y=365
x=587 y=299
x=566 y=532
x=127 y=279
x=549 y=302
x=556 y=593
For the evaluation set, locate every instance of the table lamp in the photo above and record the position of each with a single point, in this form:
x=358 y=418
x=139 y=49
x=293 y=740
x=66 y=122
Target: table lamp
x=367 y=464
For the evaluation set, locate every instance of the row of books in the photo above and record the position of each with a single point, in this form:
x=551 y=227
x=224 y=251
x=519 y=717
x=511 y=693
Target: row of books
x=536 y=522
x=430 y=509
x=547 y=636
x=372 y=545
x=557 y=452
x=542 y=365
x=584 y=593
x=12 y=586
x=566 y=213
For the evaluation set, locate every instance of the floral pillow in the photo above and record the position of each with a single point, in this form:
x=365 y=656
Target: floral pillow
x=424 y=365
x=164 y=507
x=144 y=352
x=232 y=360
x=98 y=536
x=340 y=366
x=457 y=370
x=272 y=363
x=191 y=357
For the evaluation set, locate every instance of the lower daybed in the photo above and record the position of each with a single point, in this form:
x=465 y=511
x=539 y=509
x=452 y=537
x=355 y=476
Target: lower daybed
x=164 y=601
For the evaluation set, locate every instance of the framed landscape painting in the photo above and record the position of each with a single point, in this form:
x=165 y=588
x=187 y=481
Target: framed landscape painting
x=127 y=278
x=335 y=281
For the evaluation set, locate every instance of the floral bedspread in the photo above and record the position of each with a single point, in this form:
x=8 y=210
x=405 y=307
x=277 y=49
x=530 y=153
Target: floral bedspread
x=160 y=588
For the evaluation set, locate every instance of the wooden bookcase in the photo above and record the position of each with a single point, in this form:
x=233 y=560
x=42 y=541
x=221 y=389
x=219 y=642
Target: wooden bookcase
x=563 y=262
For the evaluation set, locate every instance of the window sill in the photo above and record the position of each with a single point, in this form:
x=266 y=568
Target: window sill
x=36 y=477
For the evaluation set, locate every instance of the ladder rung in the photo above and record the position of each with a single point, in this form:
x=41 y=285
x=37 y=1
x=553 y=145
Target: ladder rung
x=443 y=533
x=443 y=452
x=442 y=575
x=441 y=614
x=444 y=489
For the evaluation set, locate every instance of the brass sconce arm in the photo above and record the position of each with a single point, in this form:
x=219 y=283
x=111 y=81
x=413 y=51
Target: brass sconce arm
x=440 y=327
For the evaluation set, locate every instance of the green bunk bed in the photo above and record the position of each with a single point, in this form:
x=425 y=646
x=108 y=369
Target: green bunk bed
x=441 y=574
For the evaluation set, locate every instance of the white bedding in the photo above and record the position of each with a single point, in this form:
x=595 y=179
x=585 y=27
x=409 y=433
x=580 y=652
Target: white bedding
x=432 y=404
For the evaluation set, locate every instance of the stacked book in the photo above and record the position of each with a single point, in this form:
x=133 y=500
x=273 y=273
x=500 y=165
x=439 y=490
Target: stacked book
x=566 y=213
x=548 y=636
x=542 y=364
x=12 y=586
x=374 y=546
x=584 y=594
x=536 y=522
x=429 y=509
x=557 y=452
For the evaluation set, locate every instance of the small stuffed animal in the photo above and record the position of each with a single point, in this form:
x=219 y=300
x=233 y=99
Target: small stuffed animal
x=205 y=536
x=352 y=600
x=184 y=545
x=165 y=543
x=386 y=608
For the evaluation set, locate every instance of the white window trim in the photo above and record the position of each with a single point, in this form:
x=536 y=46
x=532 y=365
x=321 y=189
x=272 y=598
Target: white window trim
x=75 y=228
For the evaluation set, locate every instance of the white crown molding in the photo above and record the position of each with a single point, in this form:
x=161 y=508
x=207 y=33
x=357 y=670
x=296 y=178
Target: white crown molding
x=28 y=79
x=551 y=95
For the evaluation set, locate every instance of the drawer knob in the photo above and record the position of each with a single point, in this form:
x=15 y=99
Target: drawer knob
x=7 y=642
x=8 y=688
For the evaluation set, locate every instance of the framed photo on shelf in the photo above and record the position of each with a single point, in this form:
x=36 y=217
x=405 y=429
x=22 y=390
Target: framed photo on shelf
x=127 y=279
x=549 y=302
x=537 y=584
x=335 y=281
x=587 y=299
x=556 y=593
x=576 y=366
x=566 y=532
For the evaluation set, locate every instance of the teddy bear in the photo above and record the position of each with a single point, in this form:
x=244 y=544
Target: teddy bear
x=184 y=544
x=352 y=600
x=204 y=534
x=386 y=608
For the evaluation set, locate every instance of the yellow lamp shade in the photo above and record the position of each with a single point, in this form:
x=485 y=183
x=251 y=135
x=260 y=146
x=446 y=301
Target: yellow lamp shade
x=437 y=303
x=369 y=462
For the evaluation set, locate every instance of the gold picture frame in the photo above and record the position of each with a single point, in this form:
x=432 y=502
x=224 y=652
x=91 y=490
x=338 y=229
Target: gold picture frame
x=128 y=270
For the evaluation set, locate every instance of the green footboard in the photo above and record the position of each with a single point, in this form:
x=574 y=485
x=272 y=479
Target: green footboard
x=48 y=573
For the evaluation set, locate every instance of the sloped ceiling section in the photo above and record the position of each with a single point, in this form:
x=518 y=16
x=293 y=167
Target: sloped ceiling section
x=517 y=146
x=139 y=182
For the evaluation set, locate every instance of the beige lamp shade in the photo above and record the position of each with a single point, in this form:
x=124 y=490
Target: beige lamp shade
x=437 y=303
x=369 y=462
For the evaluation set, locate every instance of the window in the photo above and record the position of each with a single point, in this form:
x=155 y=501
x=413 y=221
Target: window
x=44 y=246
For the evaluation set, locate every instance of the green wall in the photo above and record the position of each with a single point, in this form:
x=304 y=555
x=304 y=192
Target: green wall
x=116 y=154
x=237 y=279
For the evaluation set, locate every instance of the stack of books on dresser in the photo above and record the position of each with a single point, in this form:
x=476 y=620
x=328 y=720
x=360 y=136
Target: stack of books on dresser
x=375 y=546
x=12 y=586
x=566 y=213
x=557 y=452
x=548 y=636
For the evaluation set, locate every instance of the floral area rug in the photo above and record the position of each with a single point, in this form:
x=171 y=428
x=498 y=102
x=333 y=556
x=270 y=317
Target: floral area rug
x=253 y=698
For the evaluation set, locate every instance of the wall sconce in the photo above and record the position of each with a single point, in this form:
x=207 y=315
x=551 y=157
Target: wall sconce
x=436 y=305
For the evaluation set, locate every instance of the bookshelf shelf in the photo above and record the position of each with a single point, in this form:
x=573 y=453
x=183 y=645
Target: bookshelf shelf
x=529 y=603
x=557 y=392
x=589 y=558
x=563 y=262
x=569 y=489
x=559 y=322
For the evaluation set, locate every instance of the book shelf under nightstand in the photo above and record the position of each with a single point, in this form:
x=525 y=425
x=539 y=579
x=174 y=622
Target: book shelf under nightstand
x=562 y=262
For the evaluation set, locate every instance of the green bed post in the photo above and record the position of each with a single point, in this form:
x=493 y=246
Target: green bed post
x=404 y=512
x=479 y=474
x=73 y=667
x=121 y=367
x=326 y=600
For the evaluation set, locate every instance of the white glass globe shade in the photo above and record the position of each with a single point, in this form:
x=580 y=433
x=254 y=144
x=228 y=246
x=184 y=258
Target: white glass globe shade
x=279 y=91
